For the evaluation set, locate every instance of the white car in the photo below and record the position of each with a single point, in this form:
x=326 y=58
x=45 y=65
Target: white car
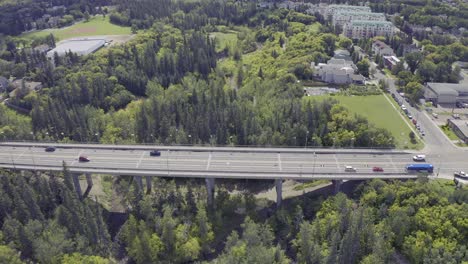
x=419 y=158
x=350 y=169
x=460 y=174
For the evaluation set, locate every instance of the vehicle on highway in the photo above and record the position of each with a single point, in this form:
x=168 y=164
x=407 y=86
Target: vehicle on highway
x=50 y=149
x=419 y=158
x=83 y=159
x=420 y=168
x=377 y=169
x=350 y=169
x=460 y=174
x=155 y=153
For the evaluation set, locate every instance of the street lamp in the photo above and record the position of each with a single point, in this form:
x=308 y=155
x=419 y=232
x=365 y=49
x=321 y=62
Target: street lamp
x=307 y=138
x=190 y=139
x=230 y=141
x=352 y=142
x=295 y=141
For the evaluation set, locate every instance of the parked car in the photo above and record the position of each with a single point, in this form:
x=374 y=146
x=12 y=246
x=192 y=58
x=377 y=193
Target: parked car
x=377 y=169
x=50 y=149
x=419 y=158
x=83 y=159
x=410 y=116
x=415 y=122
x=460 y=174
x=350 y=169
x=155 y=153
x=422 y=133
x=435 y=115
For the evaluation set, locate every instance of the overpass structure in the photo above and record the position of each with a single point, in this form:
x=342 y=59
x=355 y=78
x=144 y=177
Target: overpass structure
x=216 y=162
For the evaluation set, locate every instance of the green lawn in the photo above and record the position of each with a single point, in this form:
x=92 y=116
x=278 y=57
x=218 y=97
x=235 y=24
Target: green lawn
x=381 y=113
x=224 y=39
x=448 y=131
x=97 y=25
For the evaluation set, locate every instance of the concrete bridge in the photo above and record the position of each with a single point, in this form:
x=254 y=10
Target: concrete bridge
x=218 y=162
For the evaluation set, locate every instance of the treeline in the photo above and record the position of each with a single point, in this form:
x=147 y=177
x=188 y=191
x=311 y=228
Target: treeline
x=44 y=220
x=18 y=16
x=184 y=15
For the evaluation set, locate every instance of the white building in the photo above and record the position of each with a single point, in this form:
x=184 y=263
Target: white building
x=357 y=29
x=338 y=71
x=331 y=10
x=79 y=46
x=342 y=17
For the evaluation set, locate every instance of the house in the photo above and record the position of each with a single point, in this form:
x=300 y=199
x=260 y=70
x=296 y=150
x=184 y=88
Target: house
x=390 y=61
x=30 y=86
x=382 y=49
x=446 y=93
x=460 y=128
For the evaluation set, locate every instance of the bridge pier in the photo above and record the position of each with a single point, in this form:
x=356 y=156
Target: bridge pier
x=337 y=185
x=279 y=192
x=76 y=183
x=148 y=184
x=210 y=190
x=89 y=181
x=139 y=182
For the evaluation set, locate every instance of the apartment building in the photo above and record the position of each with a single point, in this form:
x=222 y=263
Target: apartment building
x=342 y=17
x=357 y=29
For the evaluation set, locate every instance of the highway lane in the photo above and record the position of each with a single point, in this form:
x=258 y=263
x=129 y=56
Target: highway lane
x=225 y=162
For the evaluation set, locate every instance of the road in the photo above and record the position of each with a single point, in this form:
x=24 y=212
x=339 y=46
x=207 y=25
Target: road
x=434 y=139
x=209 y=162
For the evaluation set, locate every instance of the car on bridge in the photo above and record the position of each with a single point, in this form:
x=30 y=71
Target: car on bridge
x=419 y=158
x=460 y=174
x=83 y=159
x=350 y=169
x=50 y=149
x=155 y=153
x=377 y=169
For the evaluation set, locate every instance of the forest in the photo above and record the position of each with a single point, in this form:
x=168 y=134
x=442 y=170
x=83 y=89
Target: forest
x=42 y=220
x=172 y=85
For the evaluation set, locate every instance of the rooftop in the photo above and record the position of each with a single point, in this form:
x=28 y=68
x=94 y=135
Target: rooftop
x=462 y=125
x=81 y=46
x=448 y=88
x=370 y=23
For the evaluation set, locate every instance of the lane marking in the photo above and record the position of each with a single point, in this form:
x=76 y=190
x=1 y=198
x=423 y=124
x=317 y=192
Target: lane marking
x=209 y=161
x=279 y=162
x=139 y=161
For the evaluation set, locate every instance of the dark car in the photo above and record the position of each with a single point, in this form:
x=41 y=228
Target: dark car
x=377 y=169
x=50 y=149
x=155 y=153
x=83 y=159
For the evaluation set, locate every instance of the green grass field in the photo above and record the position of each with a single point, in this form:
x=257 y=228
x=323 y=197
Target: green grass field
x=448 y=131
x=224 y=39
x=97 y=25
x=380 y=113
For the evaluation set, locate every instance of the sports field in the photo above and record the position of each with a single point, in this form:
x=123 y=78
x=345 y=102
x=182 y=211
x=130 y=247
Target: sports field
x=379 y=112
x=97 y=25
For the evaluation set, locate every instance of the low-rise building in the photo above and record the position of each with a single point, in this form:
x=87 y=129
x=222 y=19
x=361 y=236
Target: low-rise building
x=358 y=29
x=446 y=93
x=460 y=128
x=338 y=71
x=382 y=49
x=390 y=61
x=29 y=86
x=410 y=48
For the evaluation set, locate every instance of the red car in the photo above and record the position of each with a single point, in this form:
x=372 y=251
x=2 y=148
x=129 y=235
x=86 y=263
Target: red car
x=83 y=159
x=377 y=169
